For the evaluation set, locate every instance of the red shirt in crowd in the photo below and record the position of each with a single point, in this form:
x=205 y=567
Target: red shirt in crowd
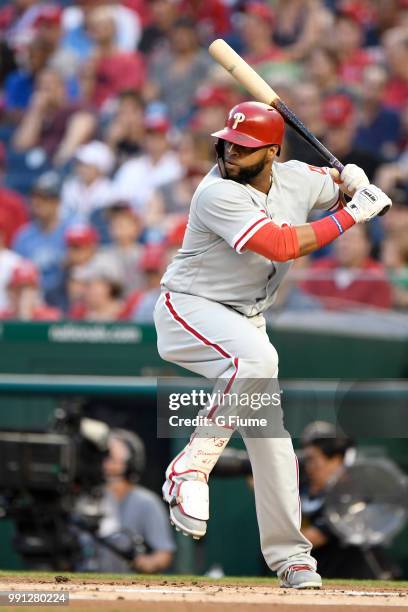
x=396 y=93
x=12 y=213
x=351 y=70
x=339 y=288
x=117 y=73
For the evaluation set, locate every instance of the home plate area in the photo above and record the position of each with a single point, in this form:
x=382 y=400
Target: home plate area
x=193 y=594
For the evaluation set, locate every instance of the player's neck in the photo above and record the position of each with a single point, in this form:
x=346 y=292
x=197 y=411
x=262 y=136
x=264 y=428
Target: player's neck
x=262 y=181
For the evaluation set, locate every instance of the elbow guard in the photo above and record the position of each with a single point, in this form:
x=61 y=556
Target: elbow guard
x=275 y=243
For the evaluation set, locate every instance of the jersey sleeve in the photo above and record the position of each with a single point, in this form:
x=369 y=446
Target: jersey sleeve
x=326 y=194
x=225 y=209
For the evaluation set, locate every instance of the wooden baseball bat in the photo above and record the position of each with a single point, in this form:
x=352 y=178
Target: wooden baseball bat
x=261 y=91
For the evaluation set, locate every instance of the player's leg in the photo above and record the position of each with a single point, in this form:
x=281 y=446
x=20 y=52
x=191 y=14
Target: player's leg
x=278 y=505
x=216 y=342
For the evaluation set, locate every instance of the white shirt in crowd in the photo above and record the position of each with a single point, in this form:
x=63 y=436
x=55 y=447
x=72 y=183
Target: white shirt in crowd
x=78 y=200
x=137 y=179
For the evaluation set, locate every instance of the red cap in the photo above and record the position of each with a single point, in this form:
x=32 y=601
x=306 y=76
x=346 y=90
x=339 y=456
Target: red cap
x=157 y=124
x=25 y=273
x=81 y=235
x=49 y=15
x=212 y=96
x=261 y=10
x=176 y=236
x=153 y=258
x=337 y=110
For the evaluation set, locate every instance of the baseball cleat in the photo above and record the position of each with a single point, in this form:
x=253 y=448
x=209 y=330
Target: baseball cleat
x=188 y=503
x=300 y=577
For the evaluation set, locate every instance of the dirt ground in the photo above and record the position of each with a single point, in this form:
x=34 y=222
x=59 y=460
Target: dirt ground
x=176 y=595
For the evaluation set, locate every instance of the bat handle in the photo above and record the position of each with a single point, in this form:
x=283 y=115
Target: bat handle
x=335 y=163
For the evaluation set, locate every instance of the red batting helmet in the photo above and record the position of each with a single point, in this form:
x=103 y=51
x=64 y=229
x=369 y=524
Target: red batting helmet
x=253 y=124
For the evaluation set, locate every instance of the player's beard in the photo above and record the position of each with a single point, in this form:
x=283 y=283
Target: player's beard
x=246 y=174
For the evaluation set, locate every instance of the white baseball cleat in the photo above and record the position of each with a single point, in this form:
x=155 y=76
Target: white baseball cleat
x=188 y=498
x=300 y=577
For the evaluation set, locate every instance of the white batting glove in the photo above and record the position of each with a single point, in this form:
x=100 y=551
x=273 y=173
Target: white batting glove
x=367 y=202
x=352 y=178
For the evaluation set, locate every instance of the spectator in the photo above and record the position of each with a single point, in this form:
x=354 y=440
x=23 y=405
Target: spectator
x=17 y=21
x=53 y=123
x=350 y=278
x=42 y=239
x=156 y=34
x=211 y=16
x=323 y=67
x=379 y=127
x=125 y=132
x=12 y=206
x=81 y=246
x=131 y=513
x=153 y=263
x=269 y=60
x=325 y=454
x=136 y=180
x=299 y=27
x=308 y=106
x=340 y=117
x=394 y=250
x=347 y=37
x=25 y=301
x=124 y=253
x=175 y=74
x=395 y=43
x=212 y=104
x=110 y=70
x=102 y=292
x=8 y=260
x=48 y=26
x=20 y=84
x=170 y=203
x=89 y=188
x=76 y=25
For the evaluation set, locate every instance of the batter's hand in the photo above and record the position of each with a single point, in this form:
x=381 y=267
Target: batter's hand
x=367 y=202
x=352 y=178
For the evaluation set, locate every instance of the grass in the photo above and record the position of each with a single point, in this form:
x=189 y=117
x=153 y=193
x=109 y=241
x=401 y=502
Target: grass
x=227 y=580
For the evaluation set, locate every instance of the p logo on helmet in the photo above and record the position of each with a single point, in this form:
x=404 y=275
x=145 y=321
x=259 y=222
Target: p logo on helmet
x=238 y=118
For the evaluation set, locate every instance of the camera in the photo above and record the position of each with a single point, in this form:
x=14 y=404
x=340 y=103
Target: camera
x=51 y=487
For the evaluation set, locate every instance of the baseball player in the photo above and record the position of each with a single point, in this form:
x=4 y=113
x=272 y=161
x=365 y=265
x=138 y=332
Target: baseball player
x=247 y=223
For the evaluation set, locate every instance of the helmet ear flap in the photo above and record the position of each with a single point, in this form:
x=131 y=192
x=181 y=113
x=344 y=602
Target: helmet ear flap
x=219 y=153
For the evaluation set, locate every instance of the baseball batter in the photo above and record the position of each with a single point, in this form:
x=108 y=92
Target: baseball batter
x=247 y=223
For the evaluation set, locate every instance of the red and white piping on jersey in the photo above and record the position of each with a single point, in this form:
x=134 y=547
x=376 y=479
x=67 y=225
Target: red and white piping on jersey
x=247 y=232
x=217 y=347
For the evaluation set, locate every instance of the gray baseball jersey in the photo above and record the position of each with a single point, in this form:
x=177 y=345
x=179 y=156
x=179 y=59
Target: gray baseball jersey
x=224 y=215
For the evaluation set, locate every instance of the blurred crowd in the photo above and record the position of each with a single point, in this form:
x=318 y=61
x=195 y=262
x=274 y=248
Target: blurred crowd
x=106 y=110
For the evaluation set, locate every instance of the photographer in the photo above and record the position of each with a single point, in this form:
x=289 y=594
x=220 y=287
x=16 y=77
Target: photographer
x=133 y=517
x=324 y=456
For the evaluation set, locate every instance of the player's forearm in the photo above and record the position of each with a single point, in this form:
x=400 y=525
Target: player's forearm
x=286 y=243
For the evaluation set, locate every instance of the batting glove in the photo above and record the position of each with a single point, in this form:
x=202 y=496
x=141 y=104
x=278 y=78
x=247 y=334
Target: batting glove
x=367 y=202
x=352 y=178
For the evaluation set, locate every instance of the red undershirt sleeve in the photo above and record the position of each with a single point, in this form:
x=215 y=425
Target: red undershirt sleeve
x=281 y=243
